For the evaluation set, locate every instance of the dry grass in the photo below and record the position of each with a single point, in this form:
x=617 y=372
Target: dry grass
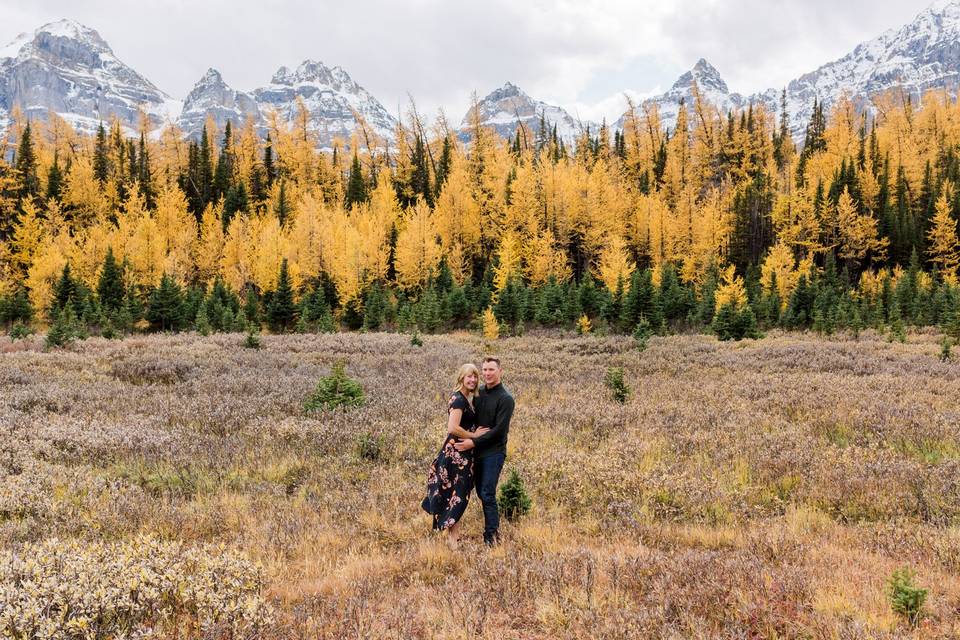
x=754 y=490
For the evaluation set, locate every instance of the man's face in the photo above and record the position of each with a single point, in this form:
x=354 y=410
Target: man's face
x=491 y=373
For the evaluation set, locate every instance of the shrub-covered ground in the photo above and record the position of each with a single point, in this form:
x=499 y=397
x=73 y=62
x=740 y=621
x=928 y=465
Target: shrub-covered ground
x=172 y=486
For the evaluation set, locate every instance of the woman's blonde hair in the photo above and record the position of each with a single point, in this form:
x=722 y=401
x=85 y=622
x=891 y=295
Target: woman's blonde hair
x=464 y=371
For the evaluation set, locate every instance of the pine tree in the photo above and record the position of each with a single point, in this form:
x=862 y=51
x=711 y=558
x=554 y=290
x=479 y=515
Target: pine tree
x=356 y=187
x=282 y=207
x=443 y=165
x=165 y=307
x=641 y=301
x=420 y=179
x=65 y=328
x=110 y=288
x=101 y=158
x=67 y=291
x=26 y=165
x=202 y=323
x=251 y=309
x=204 y=177
x=223 y=174
x=281 y=312
x=54 y=180
x=268 y=168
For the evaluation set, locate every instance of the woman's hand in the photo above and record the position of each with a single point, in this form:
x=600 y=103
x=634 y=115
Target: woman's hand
x=479 y=432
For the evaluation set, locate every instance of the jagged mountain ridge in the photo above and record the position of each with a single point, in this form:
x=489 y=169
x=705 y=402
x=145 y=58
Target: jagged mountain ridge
x=923 y=54
x=506 y=107
x=329 y=94
x=68 y=68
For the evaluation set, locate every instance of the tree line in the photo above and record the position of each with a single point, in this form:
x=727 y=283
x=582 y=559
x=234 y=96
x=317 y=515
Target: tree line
x=718 y=222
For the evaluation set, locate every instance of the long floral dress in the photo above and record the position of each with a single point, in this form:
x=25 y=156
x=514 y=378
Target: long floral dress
x=450 y=479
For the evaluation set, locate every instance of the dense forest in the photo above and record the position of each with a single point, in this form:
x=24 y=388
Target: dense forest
x=719 y=222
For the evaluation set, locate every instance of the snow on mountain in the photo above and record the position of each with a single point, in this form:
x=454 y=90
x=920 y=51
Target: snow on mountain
x=712 y=89
x=504 y=108
x=212 y=97
x=921 y=55
x=68 y=68
x=331 y=97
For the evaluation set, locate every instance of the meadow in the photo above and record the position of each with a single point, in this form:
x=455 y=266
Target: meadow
x=172 y=486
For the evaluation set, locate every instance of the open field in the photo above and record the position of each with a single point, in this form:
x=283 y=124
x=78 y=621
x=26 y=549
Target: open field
x=745 y=490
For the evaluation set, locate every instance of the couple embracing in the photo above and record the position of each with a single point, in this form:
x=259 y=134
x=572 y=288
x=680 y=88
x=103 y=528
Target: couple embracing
x=473 y=453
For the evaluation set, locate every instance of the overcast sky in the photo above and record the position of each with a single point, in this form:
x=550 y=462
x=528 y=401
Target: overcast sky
x=582 y=54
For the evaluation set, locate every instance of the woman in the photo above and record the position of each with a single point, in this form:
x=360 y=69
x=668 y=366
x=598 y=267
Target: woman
x=450 y=479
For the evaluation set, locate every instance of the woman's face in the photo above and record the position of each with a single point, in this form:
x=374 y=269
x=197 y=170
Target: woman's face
x=470 y=382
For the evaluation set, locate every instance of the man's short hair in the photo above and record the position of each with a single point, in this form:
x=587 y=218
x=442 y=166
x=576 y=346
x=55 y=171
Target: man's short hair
x=492 y=359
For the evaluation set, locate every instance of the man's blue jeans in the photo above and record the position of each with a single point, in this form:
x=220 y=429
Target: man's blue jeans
x=486 y=473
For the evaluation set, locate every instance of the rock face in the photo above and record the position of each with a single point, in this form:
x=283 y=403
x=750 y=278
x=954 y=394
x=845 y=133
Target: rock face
x=212 y=97
x=331 y=97
x=921 y=55
x=68 y=68
x=711 y=86
x=506 y=107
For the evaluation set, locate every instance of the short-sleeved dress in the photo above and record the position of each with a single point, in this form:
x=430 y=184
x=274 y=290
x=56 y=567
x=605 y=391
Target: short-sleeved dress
x=450 y=478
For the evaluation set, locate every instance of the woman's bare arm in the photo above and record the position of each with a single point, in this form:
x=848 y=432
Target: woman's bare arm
x=454 y=428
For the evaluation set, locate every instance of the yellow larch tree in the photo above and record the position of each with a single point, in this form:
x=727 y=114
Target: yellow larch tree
x=944 y=249
x=418 y=251
x=208 y=249
x=615 y=263
x=858 y=234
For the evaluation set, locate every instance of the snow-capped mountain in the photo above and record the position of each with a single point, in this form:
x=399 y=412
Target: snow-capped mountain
x=68 y=68
x=506 y=107
x=331 y=97
x=712 y=89
x=921 y=55
x=212 y=97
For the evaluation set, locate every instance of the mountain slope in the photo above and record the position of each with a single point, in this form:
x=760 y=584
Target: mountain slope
x=921 y=55
x=68 y=68
x=331 y=97
x=504 y=108
x=212 y=97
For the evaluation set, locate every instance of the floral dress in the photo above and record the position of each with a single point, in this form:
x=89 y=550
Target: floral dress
x=450 y=479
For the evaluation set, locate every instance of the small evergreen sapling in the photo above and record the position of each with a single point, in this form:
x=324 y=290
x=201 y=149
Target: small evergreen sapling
x=617 y=385
x=335 y=390
x=906 y=598
x=513 y=501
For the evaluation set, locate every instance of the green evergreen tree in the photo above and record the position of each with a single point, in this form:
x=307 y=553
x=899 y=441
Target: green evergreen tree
x=223 y=174
x=101 y=157
x=356 y=186
x=641 y=301
x=443 y=165
x=65 y=328
x=54 y=180
x=268 y=167
x=202 y=323
x=26 y=165
x=110 y=288
x=281 y=312
x=165 y=307
x=251 y=309
x=282 y=208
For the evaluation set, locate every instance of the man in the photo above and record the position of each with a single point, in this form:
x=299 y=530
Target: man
x=494 y=410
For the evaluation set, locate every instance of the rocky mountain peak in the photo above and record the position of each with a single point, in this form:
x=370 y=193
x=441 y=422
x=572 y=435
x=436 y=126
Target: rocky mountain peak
x=705 y=75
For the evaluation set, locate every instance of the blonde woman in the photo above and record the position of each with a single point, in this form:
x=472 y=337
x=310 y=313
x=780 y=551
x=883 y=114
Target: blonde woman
x=450 y=479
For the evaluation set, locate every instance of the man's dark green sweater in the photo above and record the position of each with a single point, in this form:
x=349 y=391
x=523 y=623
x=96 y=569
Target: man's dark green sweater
x=494 y=410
